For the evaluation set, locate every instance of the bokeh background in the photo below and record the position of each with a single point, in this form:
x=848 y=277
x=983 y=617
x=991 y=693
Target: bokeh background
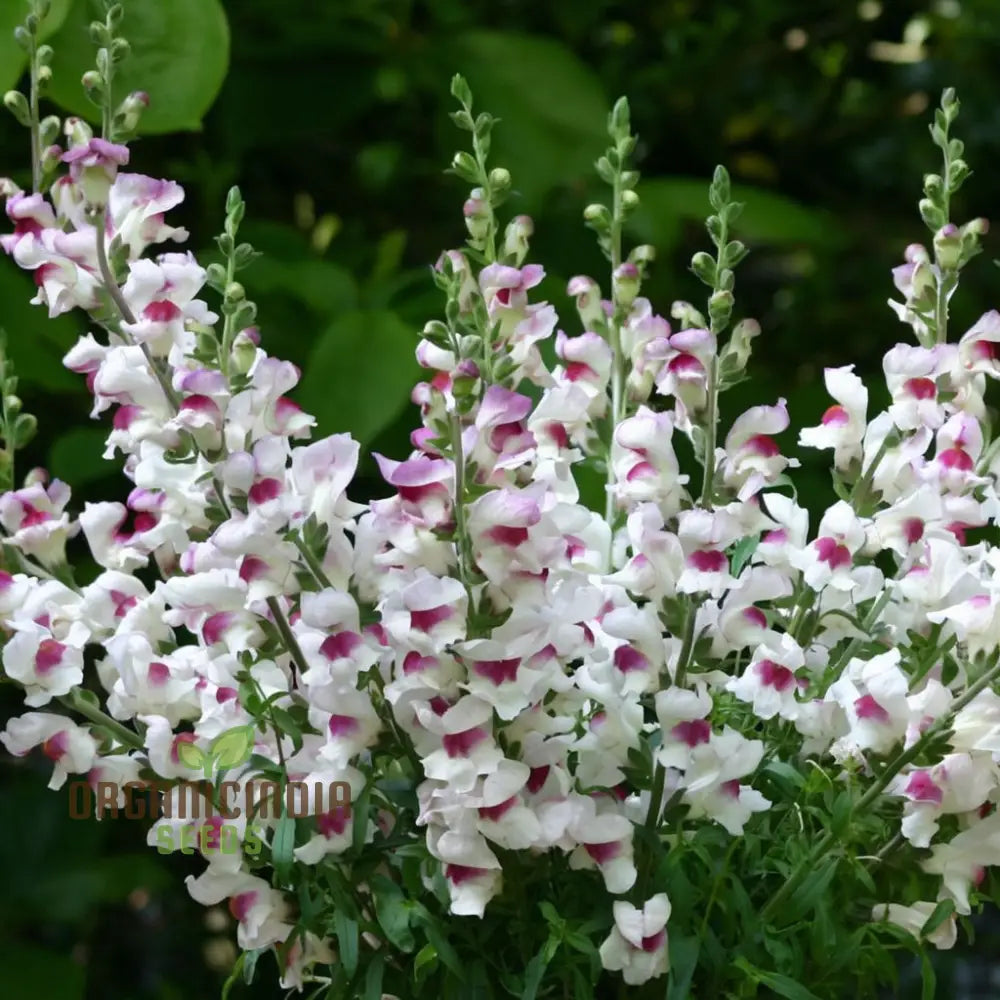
x=331 y=115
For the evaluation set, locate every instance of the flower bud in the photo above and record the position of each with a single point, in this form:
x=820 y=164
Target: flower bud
x=516 y=236
x=630 y=200
x=91 y=81
x=625 y=284
x=720 y=307
x=36 y=477
x=17 y=104
x=477 y=215
x=703 y=265
x=244 y=353
x=948 y=247
x=499 y=179
x=235 y=292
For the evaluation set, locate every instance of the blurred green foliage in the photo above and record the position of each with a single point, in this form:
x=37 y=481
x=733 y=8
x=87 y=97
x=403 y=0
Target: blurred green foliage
x=332 y=118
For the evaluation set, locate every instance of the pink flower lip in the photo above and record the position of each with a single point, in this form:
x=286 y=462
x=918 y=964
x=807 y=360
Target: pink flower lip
x=424 y=621
x=922 y=788
x=341 y=645
x=462 y=744
x=832 y=553
x=497 y=671
x=334 y=822
x=836 y=414
x=496 y=813
x=708 y=560
x=241 y=904
x=602 y=853
x=868 y=708
x=49 y=655
x=158 y=674
x=457 y=874
x=692 y=732
x=920 y=388
x=628 y=658
x=343 y=725
x=775 y=675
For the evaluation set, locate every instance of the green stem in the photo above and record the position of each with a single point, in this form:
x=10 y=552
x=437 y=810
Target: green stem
x=124 y=736
x=36 y=144
x=711 y=431
x=809 y=863
x=615 y=342
x=287 y=636
x=313 y=564
x=462 y=552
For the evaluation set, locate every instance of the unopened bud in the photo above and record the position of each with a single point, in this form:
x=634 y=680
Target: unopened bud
x=948 y=247
x=244 y=353
x=17 y=104
x=235 y=292
x=499 y=179
x=630 y=200
x=36 y=477
x=515 y=239
x=625 y=284
x=91 y=80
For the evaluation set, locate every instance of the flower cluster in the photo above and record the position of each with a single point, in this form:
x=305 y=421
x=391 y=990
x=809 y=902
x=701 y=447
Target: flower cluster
x=544 y=678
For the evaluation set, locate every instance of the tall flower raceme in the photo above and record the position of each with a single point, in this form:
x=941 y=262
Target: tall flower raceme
x=689 y=731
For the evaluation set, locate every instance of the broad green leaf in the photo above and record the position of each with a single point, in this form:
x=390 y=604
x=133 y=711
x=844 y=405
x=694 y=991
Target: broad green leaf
x=347 y=939
x=13 y=59
x=360 y=374
x=665 y=203
x=191 y=755
x=551 y=105
x=233 y=746
x=75 y=457
x=180 y=54
x=282 y=846
x=36 y=344
x=392 y=912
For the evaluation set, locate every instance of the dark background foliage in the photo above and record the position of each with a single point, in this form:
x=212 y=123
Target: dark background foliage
x=332 y=118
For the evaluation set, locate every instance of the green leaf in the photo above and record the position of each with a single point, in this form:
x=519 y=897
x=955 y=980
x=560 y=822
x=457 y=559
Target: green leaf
x=928 y=978
x=282 y=846
x=192 y=756
x=442 y=946
x=233 y=747
x=551 y=107
x=360 y=374
x=683 y=961
x=234 y=975
x=742 y=551
x=938 y=916
x=13 y=59
x=533 y=975
x=347 y=938
x=425 y=957
x=665 y=204
x=250 y=965
x=784 y=986
x=392 y=912
x=180 y=54
x=75 y=457
x=373 y=979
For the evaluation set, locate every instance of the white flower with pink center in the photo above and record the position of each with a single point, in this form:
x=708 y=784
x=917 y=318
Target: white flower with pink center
x=842 y=426
x=637 y=944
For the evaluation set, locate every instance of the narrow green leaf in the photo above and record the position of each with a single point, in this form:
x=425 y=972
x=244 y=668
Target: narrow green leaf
x=282 y=846
x=347 y=939
x=373 y=979
x=944 y=909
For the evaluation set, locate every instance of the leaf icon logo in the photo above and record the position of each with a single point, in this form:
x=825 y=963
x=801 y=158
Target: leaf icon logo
x=233 y=747
x=228 y=749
